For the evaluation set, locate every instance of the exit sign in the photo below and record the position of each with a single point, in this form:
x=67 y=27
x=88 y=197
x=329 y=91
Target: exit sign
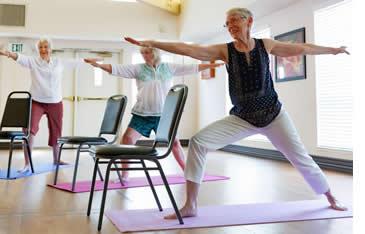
x=16 y=47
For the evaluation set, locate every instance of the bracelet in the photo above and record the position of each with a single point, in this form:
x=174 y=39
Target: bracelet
x=8 y=55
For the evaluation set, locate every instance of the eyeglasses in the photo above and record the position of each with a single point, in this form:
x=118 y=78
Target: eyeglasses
x=233 y=20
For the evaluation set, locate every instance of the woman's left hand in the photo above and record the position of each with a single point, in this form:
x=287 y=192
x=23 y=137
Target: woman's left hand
x=340 y=50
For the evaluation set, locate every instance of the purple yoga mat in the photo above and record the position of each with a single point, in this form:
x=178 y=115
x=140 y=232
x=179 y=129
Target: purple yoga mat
x=39 y=168
x=85 y=186
x=228 y=215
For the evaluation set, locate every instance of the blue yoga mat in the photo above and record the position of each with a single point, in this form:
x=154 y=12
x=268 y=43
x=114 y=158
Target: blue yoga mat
x=39 y=168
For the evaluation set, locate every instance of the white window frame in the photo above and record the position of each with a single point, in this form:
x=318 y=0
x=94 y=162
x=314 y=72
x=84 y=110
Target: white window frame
x=334 y=128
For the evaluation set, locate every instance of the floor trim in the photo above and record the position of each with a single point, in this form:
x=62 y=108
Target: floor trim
x=335 y=164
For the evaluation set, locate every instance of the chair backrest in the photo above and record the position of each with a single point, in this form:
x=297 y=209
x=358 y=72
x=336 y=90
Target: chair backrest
x=171 y=115
x=113 y=116
x=17 y=111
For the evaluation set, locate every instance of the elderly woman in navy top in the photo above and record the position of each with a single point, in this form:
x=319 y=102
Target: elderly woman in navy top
x=46 y=89
x=256 y=105
x=154 y=79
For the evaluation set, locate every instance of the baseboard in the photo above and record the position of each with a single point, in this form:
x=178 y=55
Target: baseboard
x=335 y=164
x=183 y=142
x=6 y=145
x=323 y=162
x=341 y=165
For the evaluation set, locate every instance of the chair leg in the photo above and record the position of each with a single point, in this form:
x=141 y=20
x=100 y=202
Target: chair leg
x=76 y=167
x=99 y=171
x=29 y=154
x=10 y=157
x=96 y=166
x=119 y=175
x=177 y=212
x=58 y=164
x=151 y=185
x=106 y=182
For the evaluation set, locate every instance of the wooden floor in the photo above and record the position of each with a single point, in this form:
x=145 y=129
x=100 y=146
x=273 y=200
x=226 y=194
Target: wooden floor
x=29 y=206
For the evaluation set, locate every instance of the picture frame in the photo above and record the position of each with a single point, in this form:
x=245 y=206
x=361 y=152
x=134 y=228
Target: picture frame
x=294 y=67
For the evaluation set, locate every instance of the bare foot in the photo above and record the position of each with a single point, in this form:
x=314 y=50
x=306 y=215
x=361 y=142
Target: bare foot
x=185 y=212
x=25 y=169
x=60 y=163
x=335 y=204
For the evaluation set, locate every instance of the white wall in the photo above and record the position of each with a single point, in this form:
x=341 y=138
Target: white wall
x=106 y=20
x=95 y=19
x=14 y=77
x=298 y=97
x=199 y=23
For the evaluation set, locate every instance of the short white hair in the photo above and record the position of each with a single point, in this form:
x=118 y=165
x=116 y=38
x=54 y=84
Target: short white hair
x=155 y=52
x=43 y=40
x=243 y=12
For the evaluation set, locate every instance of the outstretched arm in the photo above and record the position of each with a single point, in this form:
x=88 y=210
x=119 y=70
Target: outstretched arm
x=126 y=71
x=205 y=66
x=286 y=49
x=93 y=62
x=9 y=54
x=204 y=53
x=183 y=69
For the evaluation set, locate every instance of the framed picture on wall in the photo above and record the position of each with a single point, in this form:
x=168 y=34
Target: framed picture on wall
x=294 y=67
x=209 y=73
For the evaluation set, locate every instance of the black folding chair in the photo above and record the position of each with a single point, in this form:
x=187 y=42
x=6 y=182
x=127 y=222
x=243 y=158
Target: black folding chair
x=17 y=116
x=111 y=126
x=137 y=155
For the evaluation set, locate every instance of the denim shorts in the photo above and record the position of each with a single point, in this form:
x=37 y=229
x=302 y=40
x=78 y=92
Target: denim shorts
x=144 y=124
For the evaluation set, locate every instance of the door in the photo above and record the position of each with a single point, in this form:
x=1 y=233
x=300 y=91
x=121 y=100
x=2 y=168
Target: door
x=93 y=88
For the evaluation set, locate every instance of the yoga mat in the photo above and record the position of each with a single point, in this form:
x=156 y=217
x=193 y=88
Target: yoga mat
x=226 y=215
x=134 y=182
x=39 y=168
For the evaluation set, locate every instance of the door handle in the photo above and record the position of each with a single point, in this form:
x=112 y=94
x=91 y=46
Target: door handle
x=69 y=98
x=91 y=98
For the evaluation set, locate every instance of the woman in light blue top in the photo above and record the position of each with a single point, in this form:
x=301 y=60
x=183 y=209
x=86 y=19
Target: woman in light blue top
x=153 y=79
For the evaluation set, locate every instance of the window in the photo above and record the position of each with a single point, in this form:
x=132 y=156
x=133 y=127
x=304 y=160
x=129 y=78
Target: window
x=333 y=77
x=98 y=76
x=265 y=33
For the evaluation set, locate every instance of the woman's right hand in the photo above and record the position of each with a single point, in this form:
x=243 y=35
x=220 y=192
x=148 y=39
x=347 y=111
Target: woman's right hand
x=138 y=43
x=93 y=61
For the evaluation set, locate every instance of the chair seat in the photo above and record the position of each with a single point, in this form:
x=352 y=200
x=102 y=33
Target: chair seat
x=122 y=151
x=11 y=134
x=81 y=139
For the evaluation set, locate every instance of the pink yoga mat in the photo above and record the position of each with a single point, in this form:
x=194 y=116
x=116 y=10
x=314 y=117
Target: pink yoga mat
x=85 y=186
x=228 y=215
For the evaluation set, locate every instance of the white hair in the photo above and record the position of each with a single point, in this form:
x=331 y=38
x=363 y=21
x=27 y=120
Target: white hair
x=243 y=12
x=155 y=52
x=43 y=40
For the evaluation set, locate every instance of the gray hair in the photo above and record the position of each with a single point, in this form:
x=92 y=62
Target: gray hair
x=43 y=40
x=155 y=52
x=243 y=12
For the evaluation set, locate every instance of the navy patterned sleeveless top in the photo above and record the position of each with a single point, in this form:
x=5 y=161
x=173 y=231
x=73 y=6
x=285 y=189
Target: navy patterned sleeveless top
x=251 y=87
